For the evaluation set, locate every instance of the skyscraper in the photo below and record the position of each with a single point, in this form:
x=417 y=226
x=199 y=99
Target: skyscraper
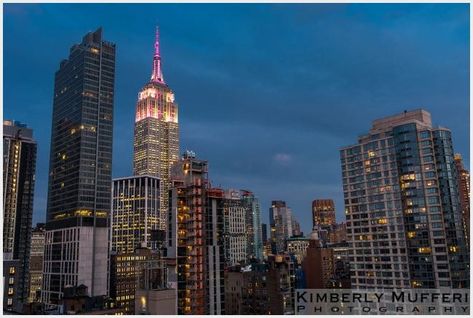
x=215 y=264
x=281 y=222
x=198 y=243
x=190 y=179
x=135 y=227
x=253 y=225
x=464 y=189
x=76 y=243
x=404 y=221
x=156 y=138
x=235 y=238
x=19 y=166
x=323 y=213
x=135 y=215
x=242 y=229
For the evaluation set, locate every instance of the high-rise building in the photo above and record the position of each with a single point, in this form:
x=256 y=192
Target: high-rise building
x=79 y=192
x=135 y=214
x=188 y=202
x=215 y=258
x=156 y=137
x=253 y=225
x=36 y=263
x=242 y=230
x=404 y=218
x=136 y=235
x=464 y=190
x=281 y=222
x=323 y=213
x=19 y=166
x=198 y=244
x=235 y=239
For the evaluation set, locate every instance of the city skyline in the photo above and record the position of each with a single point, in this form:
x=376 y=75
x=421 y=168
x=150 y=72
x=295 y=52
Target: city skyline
x=322 y=83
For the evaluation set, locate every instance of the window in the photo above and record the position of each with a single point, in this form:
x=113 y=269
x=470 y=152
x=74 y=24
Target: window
x=12 y=270
x=10 y=291
x=425 y=134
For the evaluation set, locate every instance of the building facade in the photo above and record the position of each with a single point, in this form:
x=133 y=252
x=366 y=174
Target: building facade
x=36 y=263
x=188 y=195
x=297 y=246
x=126 y=271
x=215 y=258
x=404 y=220
x=156 y=136
x=253 y=225
x=318 y=265
x=19 y=166
x=242 y=227
x=281 y=224
x=235 y=225
x=79 y=191
x=323 y=213
x=464 y=189
x=199 y=244
x=261 y=288
x=136 y=213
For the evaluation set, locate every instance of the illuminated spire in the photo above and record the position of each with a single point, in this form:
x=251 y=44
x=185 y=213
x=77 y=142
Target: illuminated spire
x=157 y=75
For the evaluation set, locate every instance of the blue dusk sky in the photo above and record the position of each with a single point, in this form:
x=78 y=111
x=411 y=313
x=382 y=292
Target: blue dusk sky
x=267 y=93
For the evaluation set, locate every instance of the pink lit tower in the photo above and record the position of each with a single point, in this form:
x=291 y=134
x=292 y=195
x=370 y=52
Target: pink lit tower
x=156 y=139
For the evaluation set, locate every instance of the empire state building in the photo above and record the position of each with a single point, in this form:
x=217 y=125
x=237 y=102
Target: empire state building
x=156 y=137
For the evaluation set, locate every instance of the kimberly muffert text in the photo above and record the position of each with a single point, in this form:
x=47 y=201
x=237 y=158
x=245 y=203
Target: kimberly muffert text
x=406 y=301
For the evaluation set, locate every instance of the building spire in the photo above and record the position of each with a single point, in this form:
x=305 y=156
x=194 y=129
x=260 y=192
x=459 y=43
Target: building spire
x=157 y=75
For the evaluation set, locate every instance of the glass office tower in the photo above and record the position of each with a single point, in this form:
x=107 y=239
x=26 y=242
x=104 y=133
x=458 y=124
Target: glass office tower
x=76 y=243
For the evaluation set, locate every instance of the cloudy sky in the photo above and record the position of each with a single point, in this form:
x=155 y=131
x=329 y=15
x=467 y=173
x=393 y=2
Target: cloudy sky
x=267 y=93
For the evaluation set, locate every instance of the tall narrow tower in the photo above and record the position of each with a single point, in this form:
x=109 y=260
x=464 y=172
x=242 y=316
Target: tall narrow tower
x=156 y=143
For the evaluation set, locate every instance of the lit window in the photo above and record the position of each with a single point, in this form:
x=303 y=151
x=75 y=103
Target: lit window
x=10 y=291
x=383 y=221
x=424 y=250
x=12 y=270
x=453 y=249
